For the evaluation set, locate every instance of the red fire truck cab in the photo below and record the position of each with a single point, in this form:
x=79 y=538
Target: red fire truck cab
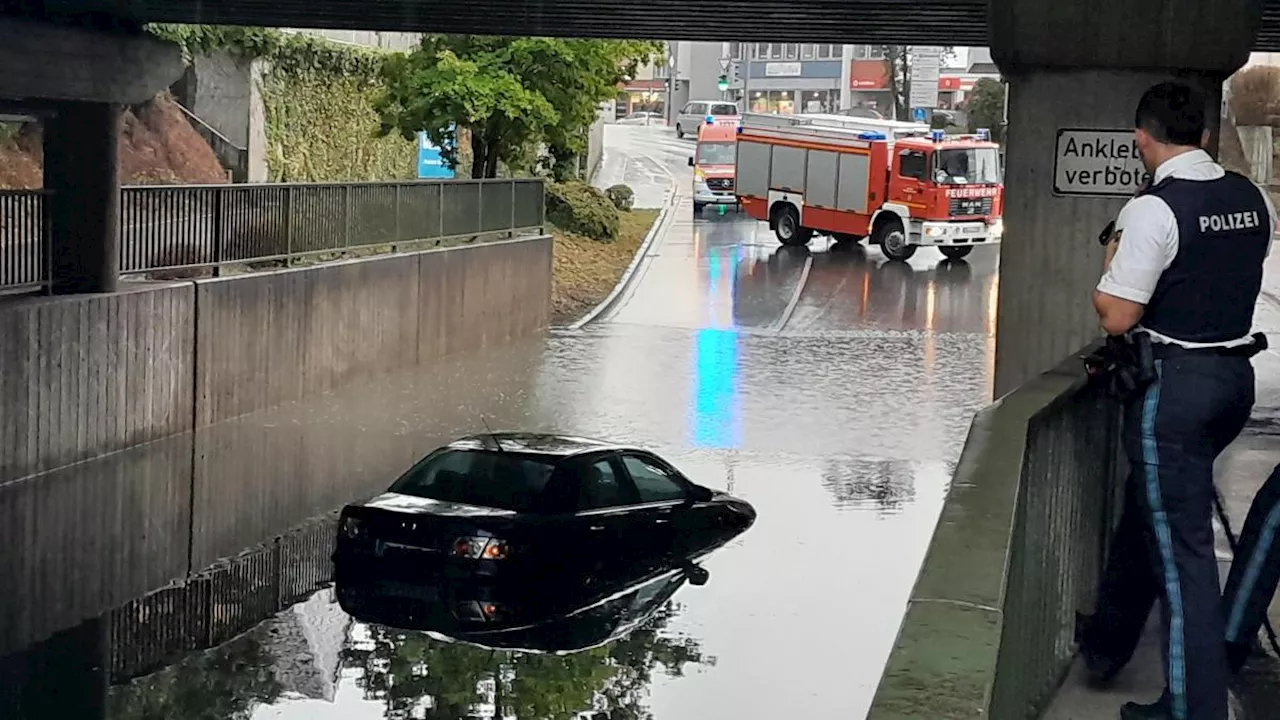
x=901 y=185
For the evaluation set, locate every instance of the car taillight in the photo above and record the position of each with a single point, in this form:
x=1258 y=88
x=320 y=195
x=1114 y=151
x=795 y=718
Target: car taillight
x=478 y=611
x=480 y=548
x=351 y=527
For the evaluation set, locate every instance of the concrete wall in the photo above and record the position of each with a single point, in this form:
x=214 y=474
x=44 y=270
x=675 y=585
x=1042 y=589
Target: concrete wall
x=83 y=376
x=88 y=375
x=277 y=337
x=220 y=88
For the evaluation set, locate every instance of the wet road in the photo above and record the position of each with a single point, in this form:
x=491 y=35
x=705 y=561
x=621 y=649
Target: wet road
x=830 y=389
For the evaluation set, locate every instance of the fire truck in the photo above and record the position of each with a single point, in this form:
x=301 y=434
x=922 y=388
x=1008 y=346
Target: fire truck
x=901 y=185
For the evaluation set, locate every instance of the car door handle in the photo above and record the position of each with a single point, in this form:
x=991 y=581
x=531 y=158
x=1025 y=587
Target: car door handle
x=596 y=528
x=661 y=521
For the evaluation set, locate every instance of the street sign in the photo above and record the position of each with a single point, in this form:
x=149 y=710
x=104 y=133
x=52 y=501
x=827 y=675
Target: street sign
x=919 y=114
x=430 y=163
x=1100 y=163
x=737 y=78
x=926 y=63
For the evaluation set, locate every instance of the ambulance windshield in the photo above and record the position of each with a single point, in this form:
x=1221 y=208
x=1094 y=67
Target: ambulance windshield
x=968 y=166
x=717 y=153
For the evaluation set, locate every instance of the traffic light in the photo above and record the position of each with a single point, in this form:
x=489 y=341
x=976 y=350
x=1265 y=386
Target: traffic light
x=723 y=83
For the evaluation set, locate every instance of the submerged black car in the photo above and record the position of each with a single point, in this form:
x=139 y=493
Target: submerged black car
x=515 y=506
x=547 y=617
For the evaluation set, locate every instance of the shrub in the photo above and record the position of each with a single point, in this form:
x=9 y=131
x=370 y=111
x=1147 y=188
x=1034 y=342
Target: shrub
x=1255 y=96
x=622 y=196
x=579 y=208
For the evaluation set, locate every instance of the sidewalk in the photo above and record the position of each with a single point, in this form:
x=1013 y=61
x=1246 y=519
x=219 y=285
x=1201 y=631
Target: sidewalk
x=1239 y=472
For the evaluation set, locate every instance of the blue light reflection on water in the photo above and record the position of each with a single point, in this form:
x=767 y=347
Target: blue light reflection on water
x=715 y=419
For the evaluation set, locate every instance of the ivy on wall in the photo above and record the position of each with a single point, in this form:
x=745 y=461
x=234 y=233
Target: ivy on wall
x=318 y=97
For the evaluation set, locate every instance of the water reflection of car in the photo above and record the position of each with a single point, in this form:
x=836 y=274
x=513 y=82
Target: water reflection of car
x=565 y=615
x=533 y=506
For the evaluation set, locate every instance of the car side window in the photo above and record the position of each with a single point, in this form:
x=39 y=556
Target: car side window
x=653 y=483
x=600 y=487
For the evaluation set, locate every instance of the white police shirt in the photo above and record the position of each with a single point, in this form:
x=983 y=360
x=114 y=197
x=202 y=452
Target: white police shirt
x=1149 y=239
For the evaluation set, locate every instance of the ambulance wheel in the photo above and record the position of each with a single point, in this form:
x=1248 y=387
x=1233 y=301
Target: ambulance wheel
x=955 y=253
x=787 y=227
x=892 y=240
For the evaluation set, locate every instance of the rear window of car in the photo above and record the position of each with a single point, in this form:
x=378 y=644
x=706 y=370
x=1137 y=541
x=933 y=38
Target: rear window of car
x=501 y=480
x=724 y=109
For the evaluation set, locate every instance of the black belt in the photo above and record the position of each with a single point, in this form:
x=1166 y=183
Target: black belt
x=1247 y=350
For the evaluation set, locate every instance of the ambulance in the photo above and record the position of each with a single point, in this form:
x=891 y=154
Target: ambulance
x=900 y=185
x=713 y=164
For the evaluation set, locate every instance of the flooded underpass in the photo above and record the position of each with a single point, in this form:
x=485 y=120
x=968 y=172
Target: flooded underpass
x=827 y=387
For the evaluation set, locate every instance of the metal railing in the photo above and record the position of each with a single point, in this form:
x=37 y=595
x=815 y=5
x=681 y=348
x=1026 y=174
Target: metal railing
x=1019 y=548
x=214 y=606
x=179 y=227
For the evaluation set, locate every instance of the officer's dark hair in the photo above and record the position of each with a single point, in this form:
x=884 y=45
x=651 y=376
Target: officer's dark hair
x=1173 y=113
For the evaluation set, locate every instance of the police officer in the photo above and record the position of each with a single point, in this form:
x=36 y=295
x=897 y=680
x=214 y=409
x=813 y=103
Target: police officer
x=1185 y=267
x=1255 y=573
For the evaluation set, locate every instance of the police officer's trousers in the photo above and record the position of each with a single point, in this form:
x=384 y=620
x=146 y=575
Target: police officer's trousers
x=1255 y=571
x=1164 y=545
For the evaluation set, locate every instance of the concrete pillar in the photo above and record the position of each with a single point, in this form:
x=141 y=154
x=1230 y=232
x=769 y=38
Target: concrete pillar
x=82 y=174
x=1083 y=65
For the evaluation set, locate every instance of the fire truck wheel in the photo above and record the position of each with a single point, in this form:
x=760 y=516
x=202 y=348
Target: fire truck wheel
x=787 y=227
x=955 y=253
x=893 y=241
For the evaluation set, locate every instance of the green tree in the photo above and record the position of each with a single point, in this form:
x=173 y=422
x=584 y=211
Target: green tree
x=507 y=94
x=986 y=107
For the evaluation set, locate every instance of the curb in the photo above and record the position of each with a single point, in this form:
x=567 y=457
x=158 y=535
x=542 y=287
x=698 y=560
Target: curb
x=629 y=275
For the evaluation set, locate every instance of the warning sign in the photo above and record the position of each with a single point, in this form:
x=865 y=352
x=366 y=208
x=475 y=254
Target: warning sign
x=1097 y=162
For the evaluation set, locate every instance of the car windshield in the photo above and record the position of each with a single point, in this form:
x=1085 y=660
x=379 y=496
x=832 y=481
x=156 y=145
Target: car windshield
x=724 y=109
x=502 y=480
x=717 y=153
x=968 y=166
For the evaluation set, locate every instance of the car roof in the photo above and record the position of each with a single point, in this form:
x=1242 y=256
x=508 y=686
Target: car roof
x=534 y=444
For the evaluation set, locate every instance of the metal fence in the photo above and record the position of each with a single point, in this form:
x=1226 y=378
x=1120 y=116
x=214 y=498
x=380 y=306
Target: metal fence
x=172 y=227
x=221 y=602
x=989 y=631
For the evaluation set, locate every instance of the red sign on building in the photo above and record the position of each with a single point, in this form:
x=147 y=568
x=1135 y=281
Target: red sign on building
x=869 y=75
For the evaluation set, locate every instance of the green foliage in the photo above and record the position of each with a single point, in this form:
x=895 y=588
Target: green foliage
x=986 y=108
x=1255 y=96
x=324 y=129
x=401 y=669
x=292 y=54
x=622 y=196
x=577 y=207
x=225 y=684
x=318 y=96
x=508 y=93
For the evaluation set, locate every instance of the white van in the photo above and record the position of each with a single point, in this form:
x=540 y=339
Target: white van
x=695 y=113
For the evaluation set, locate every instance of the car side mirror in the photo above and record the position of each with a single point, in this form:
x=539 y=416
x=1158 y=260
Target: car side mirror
x=697 y=493
x=690 y=162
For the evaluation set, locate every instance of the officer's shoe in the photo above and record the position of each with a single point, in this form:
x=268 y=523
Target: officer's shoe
x=1237 y=655
x=1158 y=710
x=1101 y=670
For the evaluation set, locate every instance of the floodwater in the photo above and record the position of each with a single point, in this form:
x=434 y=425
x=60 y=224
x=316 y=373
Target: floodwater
x=829 y=388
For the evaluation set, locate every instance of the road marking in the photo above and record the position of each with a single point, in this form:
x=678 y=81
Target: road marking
x=795 y=298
